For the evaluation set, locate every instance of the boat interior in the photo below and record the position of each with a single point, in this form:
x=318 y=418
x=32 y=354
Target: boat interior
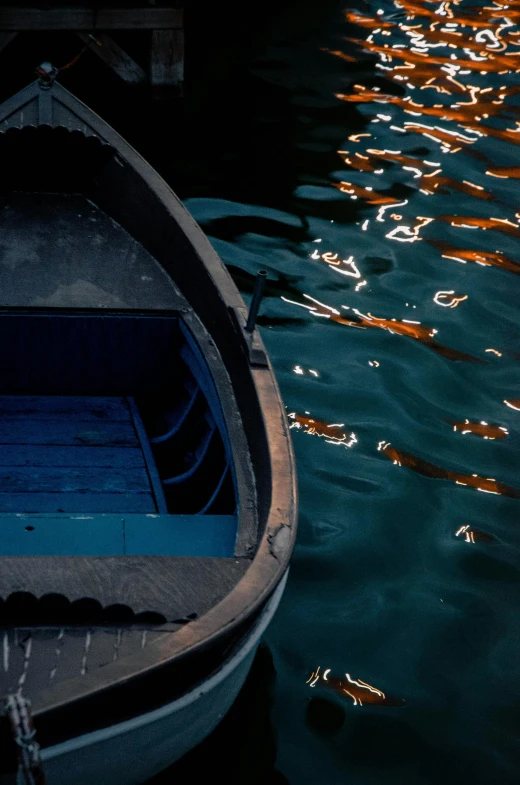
x=103 y=413
x=114 y=441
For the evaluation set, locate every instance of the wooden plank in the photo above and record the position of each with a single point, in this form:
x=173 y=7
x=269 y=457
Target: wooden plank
x=5 y=39
x=13 y=18
x=116 y=58
x=49 y=407
x=106 y=434
x=77 y=502
x=45 y=108
x=167 y=58
x=70 y=479
x=173 y=586
x=93 y=649
x=59 y=455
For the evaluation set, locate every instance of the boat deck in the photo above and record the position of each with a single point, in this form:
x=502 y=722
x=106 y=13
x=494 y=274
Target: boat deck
x=60 y=250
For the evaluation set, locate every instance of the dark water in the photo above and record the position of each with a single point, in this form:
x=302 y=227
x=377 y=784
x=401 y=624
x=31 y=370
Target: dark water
x=420 y=246
x=392 y=316
x=406 y=574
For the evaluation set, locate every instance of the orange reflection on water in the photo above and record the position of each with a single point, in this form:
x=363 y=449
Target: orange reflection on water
x=358 y=691
x=371 y=161
x=449 y=299
x=481 y=429
x=494 y=63
x=467 y=112
x=503 y=225
x=474 y=535
x=484 y=258
x=485 y=484
x=366 y=193
x=504 y=172
x=480 y=44
x=358 y=161
x=432 y=183
x=510 y=135
x=480 y=20
x=346 y=267
x=408 y=328
x=338 y=53
x=333 y=432
x=408 y=234
x=440 y=135
x=367 y=21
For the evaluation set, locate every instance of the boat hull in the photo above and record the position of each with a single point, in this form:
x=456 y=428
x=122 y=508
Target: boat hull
x=132 y=752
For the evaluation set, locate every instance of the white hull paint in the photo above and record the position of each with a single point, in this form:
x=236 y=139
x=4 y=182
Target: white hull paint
x=131 y=752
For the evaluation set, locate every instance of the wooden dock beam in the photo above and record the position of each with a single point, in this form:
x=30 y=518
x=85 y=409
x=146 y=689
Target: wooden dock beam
x=167 y=58
x=18 y=18
x=166 y=66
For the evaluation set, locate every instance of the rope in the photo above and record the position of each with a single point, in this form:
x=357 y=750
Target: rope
x=18 y=711
x=47 y=73
x=74 y=59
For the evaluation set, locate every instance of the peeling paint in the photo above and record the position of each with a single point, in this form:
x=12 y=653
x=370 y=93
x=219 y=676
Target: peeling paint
x=279 y=541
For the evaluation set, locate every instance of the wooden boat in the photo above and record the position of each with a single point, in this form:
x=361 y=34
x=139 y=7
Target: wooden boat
x=147 y=482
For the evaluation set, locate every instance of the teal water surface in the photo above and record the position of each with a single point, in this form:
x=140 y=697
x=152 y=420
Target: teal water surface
x=378 y=187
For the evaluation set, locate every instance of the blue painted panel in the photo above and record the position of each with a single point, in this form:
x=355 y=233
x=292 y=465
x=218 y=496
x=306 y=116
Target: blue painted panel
x=113 y=535
x=87 y=480
x=59 y=455
x=61 y=536
x=77 y=502
x=52 y=407
x=67 y=432
x=180 y=535
x=93 y=354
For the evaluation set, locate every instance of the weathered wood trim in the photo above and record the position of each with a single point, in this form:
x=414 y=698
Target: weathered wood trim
x=45 y=105
x=18 y=101
x=5 y=39
x=115 y=57
x=167 y=58
x=17 y=19
x=174 y=586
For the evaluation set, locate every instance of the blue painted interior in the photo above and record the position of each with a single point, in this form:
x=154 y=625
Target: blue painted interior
x=86 y=353
x=61 y=535
x=107 y=535
x=114 y=418
x=181 y=535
